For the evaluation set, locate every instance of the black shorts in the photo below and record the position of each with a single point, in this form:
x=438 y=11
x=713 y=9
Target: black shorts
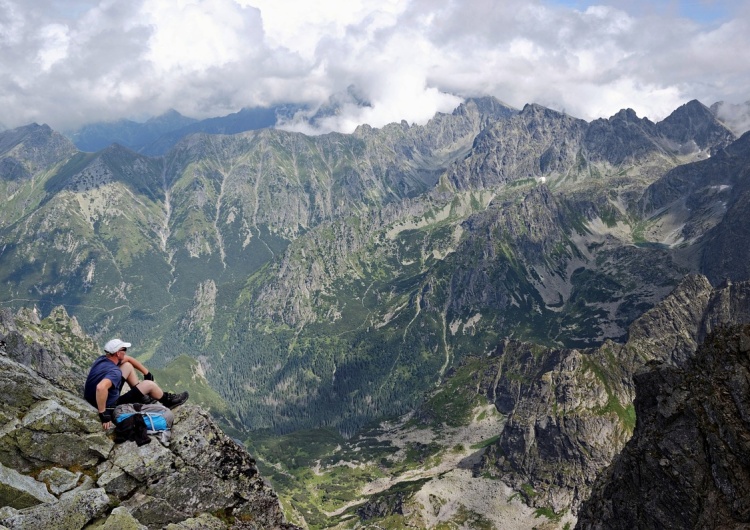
x=131 y=396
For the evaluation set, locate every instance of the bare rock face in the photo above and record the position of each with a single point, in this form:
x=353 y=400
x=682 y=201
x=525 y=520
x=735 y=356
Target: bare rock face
x=567 y=418
x=58 y=469
x=55 y=347
x=570 y=412
x=670 y=332
x=694 y=123
x=688 y=463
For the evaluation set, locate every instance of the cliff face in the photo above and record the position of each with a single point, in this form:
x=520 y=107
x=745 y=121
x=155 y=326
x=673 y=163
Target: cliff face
x=570 y=412
x=58 y=469
x=55 y=347
x=687 y=465
x=568 y=415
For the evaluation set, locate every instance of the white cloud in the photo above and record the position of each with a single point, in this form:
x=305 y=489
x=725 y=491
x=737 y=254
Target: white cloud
x=54 y=45
x=90 y=60
x=194 y=37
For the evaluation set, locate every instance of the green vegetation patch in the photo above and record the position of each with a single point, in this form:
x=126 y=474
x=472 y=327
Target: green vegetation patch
x=315 y=472
x=184 y=373
x=613 y=405
x=466 y=518
x=485 y=443
x=454 y=403
x=549 y=513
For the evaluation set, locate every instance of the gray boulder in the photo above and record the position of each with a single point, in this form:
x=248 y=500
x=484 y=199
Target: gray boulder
x=70 y=513
x=20 y=491
x=59 y=480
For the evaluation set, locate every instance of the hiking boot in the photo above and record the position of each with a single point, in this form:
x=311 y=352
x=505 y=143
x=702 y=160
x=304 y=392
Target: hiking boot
x=173 y=400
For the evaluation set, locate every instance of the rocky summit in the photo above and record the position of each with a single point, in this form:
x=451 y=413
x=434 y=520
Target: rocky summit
x=59 y=470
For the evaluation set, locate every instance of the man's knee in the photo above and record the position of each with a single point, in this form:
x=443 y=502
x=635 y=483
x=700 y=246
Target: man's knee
x=126 y=369
x=128 y=374
x=150 y=388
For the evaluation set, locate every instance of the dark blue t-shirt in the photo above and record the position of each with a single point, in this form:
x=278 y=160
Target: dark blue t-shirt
x=103 y=368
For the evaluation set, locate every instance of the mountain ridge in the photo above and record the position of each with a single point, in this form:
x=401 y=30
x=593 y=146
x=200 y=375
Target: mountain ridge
x=405 y=246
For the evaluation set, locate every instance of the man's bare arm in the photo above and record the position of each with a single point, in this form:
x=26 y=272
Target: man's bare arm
x=102 y=389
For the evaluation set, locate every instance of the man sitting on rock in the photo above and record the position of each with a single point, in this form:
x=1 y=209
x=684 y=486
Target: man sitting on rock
x=110 y=371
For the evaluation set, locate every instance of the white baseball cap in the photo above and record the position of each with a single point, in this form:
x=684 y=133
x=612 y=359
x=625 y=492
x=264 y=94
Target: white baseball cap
x=114 y=346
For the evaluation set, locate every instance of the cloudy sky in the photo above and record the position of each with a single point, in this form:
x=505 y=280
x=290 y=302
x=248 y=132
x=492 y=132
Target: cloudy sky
x=71 y=62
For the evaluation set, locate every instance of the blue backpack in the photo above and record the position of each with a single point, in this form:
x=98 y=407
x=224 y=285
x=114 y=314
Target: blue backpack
x=157 y=418
x=154 y=421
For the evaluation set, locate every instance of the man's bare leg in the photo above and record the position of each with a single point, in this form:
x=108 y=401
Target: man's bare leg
x=147 y=388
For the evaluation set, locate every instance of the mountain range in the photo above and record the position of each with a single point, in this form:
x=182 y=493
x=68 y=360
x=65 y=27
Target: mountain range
x=157 y=135
x=335 y=278
x=327 y=274
x=523 y=259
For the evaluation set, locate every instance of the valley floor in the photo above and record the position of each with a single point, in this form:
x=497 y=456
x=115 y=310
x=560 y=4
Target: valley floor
x=407 y=474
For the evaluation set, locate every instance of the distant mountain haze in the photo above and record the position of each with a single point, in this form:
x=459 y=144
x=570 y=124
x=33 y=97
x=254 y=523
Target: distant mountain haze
x=159 y=134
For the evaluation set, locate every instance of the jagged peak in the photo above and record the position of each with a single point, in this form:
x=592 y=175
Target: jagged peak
x=629 y=115
x=536 y=111
x=626 y=114
x=691 y=108
x=19 y=134
x=534 y=108
x=694 y=123
x=695 y=104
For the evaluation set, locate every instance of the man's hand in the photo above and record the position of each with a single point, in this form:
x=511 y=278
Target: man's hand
x=106 y=419
x=148 y=377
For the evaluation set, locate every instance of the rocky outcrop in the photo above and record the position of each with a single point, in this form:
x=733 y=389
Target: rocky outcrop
x=56 y=346
x=540 y=142
x=671 y=331
x=571 y=411
x=525 y=146
x=58 y=469
x=568 y=416
x=687 y=464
